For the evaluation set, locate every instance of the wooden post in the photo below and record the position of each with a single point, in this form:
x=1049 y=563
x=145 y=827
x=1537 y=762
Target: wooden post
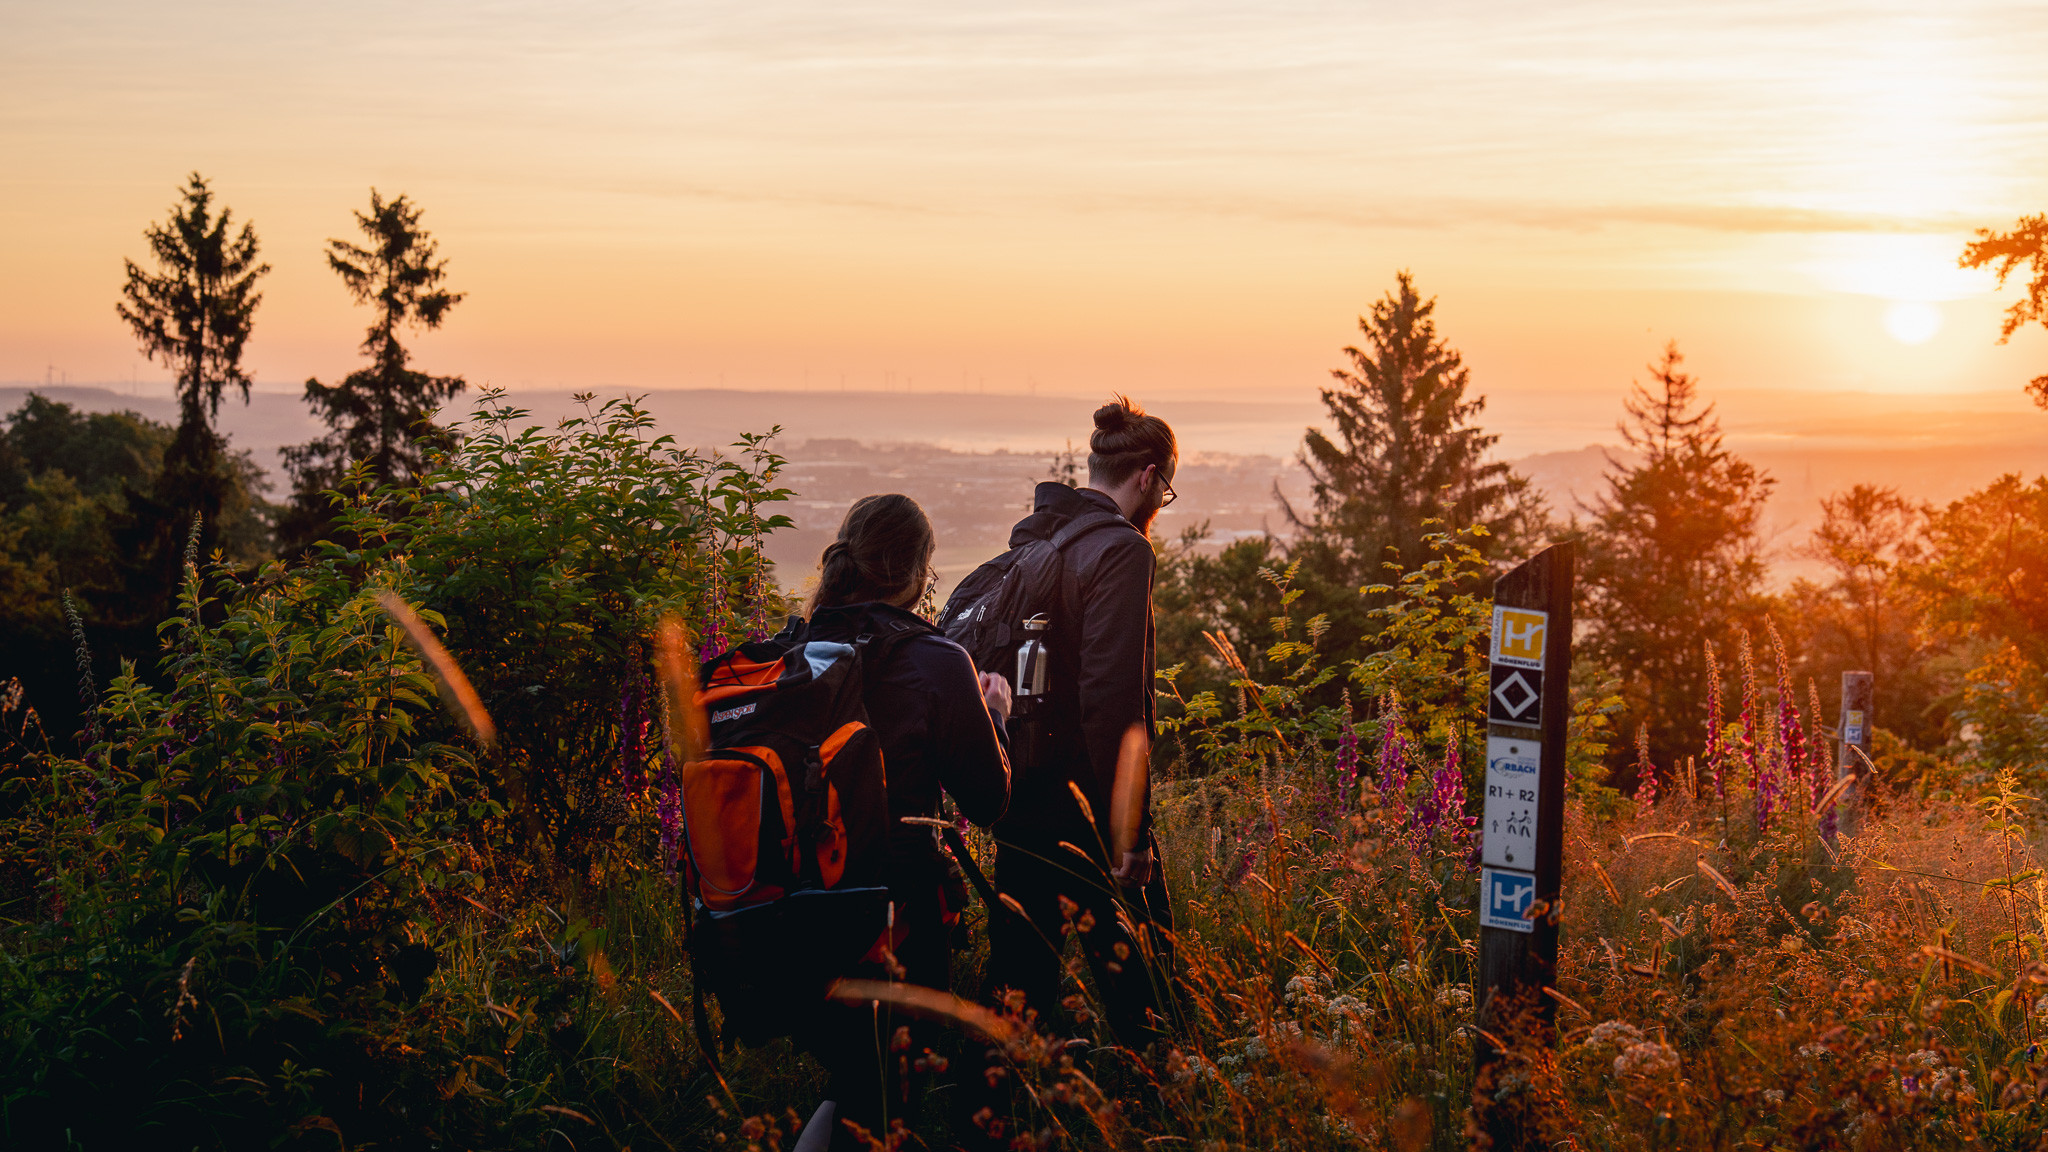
x=1522 y=831
x=1857 y=688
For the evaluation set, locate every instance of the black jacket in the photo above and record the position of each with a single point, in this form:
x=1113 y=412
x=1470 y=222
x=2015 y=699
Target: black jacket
x=1102 y=667
x=927 y=710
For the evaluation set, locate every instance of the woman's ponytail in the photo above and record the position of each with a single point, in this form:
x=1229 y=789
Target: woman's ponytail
x=883 y=551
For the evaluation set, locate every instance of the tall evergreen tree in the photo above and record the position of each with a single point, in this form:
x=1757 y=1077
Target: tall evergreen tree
x=1406 y=451
x=1674 y=558
x=194 y=314
x=379 y=415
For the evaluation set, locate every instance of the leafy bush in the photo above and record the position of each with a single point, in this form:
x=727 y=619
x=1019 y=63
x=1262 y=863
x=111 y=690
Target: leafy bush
x=286 y=901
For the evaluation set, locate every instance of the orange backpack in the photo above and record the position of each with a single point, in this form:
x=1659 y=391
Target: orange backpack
x=785 y=825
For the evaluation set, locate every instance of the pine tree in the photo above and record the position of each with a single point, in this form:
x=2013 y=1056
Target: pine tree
x=1407 y=452
x=380 y=415
x=195 y=314
x=1673 y=558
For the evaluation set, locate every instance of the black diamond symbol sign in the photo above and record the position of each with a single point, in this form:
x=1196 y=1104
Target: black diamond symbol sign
x=1516 y=697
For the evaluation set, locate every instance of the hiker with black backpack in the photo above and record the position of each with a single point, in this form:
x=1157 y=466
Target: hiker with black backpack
x=882 y=712
x=1066 y=615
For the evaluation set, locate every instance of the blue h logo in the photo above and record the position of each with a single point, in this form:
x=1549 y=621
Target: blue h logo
x=1505 y=897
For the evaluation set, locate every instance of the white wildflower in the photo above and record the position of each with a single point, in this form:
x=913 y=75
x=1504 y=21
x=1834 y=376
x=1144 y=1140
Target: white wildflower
x=1614 y=1034
x=1648 y=1058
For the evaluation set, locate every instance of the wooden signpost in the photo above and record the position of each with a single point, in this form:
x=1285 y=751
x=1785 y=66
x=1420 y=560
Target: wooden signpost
x=1522 y=829
x=1855 y=738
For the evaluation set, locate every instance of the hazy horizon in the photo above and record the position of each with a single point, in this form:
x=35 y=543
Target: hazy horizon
x=1932 y=448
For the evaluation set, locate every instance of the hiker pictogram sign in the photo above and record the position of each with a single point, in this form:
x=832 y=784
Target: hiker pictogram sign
x=1508 y=828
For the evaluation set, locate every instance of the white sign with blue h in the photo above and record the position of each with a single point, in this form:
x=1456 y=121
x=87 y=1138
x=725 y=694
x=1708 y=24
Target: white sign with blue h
x=1504 y=899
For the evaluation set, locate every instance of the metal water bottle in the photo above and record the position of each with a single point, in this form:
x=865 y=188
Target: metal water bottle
x=1034 y=670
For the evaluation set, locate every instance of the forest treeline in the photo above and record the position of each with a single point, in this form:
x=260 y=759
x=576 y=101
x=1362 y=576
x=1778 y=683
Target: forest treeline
x=1942 y=604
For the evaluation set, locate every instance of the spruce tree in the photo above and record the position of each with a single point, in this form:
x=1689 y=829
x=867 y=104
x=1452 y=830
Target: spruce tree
x=194 y=313
x=1674 y=559
x=1406 y=458
x=381 y=415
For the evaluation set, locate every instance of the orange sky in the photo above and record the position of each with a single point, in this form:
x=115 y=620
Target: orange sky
x=1187 y=199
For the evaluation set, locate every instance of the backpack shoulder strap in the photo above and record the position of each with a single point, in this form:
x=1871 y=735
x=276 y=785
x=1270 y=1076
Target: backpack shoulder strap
x=1084 y=524
x=880 y=633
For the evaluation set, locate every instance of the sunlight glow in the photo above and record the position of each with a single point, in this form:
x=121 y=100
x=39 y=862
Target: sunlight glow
x=1912 y=321
x=1910 y=267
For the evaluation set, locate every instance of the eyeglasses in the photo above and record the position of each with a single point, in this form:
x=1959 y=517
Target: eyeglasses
x=1171 y=495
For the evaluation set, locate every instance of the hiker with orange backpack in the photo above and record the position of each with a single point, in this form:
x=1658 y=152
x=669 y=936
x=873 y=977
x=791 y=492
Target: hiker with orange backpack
x=826 y=737
x=1066 y=613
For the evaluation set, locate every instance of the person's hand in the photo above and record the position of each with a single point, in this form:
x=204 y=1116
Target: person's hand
x=995 y=692
x=1136 y=869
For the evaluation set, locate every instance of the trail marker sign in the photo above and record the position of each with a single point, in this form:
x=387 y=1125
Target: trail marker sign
x=1515 y=696
x=1522 y=829
x=1507 y=831
x=1518 y=636
x=1504 y=899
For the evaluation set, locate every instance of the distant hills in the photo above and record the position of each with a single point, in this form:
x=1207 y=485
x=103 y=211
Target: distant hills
x=959 y=451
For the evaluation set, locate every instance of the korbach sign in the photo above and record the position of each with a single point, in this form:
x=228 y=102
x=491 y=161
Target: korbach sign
x=1508 y=830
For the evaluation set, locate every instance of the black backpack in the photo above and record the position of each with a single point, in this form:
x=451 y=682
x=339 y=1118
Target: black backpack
x=986 y=613
x=786 y=825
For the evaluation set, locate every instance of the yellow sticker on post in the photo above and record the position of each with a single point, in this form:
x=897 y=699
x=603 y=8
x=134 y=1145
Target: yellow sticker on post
x=1518 y=635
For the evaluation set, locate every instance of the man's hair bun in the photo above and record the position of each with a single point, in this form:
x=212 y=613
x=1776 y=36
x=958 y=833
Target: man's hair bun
x=1126 y=440
x=1115 y=416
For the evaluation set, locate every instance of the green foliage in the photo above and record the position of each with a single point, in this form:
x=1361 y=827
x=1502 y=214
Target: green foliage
x=552 y=553
x=1194 y=593
x=1589 y=738
x=1273 y=719
x=1429 y=657
x=2005 y=709
x=74 y=496
x=1429 y=649
x=1985 y=571
x=237 y=877
x=1980 y=581
x=282 y=901
x=1673 y=557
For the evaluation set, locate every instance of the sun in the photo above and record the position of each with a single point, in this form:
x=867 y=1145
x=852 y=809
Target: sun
x=1912 y=321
